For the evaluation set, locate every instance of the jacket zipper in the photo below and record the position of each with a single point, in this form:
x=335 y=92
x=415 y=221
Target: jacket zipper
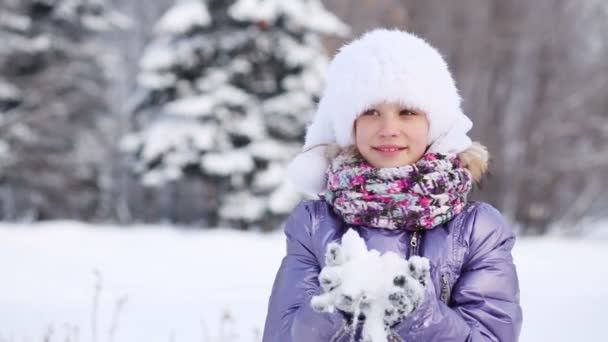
x=445 y=285
x=445 y=288
x=414 y=243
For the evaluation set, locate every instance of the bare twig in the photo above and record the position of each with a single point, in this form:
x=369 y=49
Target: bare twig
x=120 y=303
x=48 y=334
x=227 y=332
x=76 y=332
x=96 y=295
x=205 y=330
x=67 y=328
x=257 y=335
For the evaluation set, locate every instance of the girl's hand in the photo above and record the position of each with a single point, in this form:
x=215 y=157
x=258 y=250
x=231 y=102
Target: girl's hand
x=331 y=279
x=408 y=292
x=381 y=290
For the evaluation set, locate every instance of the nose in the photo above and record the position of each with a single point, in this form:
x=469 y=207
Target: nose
x=388 y=126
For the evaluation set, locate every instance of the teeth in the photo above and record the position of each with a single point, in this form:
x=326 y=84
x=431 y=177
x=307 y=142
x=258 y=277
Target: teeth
x=389 y=149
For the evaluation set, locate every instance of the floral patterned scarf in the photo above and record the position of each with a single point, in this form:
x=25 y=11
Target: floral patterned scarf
x=414 y=197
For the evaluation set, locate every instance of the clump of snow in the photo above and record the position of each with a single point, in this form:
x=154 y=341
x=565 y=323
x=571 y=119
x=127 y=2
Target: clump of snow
x=292 y=102
x=243 y=124
x=178 y=143
x=204 y=104
x=270 y=178
x=8 y=91
x=361 y=281
x=182 y=17
x=268 y=149
x=92 y=14
x=165 y=53
x=24 y=132
x=119 y=20
x=156 y=80
x=197 y=106
x=165 y=135
x=96 y=23
x=4 y=150
x=130 y=143
x=228 y=163
x=243 y=206
x=240 y=65
x=295 y=53
x=157 y=56
x=15 y=22
x=310 y=81
x=309 y=15
x=39 y=43
x=158 y=177
x=213 y=78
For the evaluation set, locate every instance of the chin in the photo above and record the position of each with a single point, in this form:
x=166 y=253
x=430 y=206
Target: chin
x=388 y=164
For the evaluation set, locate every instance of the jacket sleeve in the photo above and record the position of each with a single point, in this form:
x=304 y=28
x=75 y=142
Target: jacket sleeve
x=290 y=317
x=484 y=304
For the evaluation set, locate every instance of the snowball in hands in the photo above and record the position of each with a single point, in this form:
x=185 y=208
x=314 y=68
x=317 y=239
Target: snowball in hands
x=384 y=288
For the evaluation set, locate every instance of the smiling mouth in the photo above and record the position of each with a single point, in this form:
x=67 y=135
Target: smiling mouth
x=389 y=149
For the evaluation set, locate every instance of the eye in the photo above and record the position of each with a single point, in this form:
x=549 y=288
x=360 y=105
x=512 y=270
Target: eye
x=371 y=112
x=407 y=112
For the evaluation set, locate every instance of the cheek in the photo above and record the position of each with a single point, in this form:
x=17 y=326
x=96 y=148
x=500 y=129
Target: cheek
x=360 y=133
x=422 y=136
x=422 y=132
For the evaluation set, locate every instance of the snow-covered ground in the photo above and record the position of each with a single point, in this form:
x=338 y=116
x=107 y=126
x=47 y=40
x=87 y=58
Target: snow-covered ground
x=71 y=281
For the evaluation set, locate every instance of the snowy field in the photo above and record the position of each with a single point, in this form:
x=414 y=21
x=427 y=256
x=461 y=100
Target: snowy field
x=66 y=281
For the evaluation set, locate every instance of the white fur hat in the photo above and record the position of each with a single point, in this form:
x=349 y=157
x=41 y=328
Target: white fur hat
x=381 y=66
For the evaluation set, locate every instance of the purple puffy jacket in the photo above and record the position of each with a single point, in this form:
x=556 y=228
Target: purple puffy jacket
x=474 y=295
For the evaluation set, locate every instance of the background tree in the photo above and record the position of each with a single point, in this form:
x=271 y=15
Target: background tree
x=226 y=89
x=52 y=107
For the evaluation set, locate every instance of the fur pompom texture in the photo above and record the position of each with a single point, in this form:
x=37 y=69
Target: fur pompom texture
x=475 y=159
x=307 y=170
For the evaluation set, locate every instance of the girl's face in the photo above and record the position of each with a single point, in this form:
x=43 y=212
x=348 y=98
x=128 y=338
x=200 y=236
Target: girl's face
x=388 y=135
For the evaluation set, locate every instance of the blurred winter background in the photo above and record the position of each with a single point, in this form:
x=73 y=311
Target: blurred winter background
x=143 y=147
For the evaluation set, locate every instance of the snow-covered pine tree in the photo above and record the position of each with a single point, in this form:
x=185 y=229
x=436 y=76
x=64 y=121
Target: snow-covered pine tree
x=226 y=89
x=52 y=107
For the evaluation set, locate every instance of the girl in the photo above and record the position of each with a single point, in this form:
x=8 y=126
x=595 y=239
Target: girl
x=389 y=156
